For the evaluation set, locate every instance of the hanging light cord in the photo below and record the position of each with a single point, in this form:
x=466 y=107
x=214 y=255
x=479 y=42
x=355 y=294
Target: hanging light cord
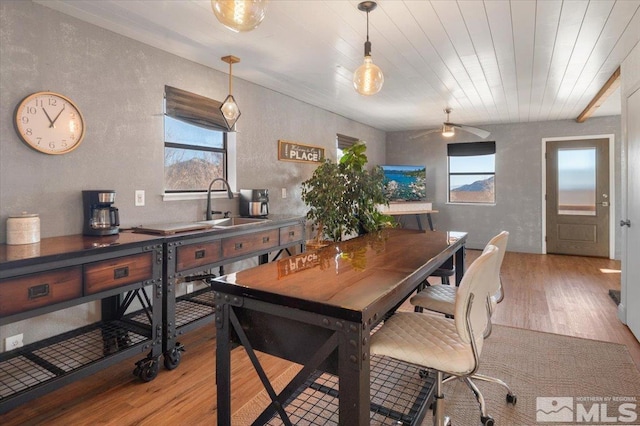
x=367 y=44
x=230 y=79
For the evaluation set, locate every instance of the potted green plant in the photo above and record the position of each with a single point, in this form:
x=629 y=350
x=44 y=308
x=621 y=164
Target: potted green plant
x=343 y=197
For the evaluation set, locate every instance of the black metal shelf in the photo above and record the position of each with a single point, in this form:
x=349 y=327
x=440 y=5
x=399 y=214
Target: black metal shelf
x=38 y=368
x=399 y=396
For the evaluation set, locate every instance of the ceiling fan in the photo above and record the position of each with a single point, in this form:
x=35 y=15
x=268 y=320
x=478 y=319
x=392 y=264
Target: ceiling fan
x=448 y=129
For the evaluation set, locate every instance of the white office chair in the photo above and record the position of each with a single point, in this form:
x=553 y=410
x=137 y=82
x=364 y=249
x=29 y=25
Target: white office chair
x=446 y=346
x=441 y=298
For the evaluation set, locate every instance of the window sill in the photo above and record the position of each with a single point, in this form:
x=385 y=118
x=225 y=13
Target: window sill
x=185 y=196
x=471 y=204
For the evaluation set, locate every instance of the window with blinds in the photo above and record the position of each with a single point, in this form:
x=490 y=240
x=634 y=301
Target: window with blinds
x=195 y=142
x=343 y=142
x=472 y=172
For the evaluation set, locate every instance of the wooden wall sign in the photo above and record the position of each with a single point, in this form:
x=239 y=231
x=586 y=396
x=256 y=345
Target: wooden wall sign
x=293 y=151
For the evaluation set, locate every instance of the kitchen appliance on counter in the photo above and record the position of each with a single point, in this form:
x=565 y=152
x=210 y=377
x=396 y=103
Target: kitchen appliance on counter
x=100 y=217
x=254 y=202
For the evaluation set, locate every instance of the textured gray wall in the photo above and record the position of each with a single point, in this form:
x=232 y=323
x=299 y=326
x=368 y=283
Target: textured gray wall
x=118 y=84
x=518 y=178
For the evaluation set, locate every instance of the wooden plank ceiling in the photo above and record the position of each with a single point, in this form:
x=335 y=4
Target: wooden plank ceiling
x=492 y=61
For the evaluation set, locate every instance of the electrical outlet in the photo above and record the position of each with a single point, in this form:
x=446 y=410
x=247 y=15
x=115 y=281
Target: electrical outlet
x=284 y=192
x=13 y=342
x=189 y=288
x=139 y=197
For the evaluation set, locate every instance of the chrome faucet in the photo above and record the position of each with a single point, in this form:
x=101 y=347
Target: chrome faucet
x=229 y=193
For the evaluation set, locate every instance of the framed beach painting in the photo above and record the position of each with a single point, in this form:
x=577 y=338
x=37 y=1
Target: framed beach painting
x=405 y=183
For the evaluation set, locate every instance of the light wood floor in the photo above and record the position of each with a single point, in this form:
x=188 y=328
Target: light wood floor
x=558 y=294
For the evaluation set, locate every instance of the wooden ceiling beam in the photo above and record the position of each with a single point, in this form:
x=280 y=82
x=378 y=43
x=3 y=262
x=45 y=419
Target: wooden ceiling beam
x=609 y=87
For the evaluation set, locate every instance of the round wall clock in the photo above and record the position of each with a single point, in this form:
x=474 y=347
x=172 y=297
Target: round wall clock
x=49 y=122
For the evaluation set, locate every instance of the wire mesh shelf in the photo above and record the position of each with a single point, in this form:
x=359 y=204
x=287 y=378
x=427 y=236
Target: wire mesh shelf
x=25 y=368
x=398 y=394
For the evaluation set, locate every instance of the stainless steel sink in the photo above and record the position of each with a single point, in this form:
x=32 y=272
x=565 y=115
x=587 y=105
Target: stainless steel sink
x=234 y=221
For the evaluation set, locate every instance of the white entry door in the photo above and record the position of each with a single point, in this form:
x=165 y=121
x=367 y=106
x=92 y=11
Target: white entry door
x=631 y=265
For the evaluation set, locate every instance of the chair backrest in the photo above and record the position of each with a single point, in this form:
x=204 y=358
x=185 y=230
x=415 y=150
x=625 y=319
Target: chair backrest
x=479 y=282
x=499 y=241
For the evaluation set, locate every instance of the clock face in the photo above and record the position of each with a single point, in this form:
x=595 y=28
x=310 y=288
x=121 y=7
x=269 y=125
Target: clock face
x=49 y=122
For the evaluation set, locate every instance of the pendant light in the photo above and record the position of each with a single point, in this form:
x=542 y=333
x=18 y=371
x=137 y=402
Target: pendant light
x=229 y=108
x=368 y=78
x=239 y=15
x=448 y=129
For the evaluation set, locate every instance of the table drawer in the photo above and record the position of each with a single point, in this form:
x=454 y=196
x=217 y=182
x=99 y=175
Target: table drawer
x=243 y=244
x=291 y=233
x=38 y=290
x=112 y=273
x=195 y=255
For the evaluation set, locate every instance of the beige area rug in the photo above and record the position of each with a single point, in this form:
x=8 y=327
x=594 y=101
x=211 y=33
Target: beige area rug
x=557 y=380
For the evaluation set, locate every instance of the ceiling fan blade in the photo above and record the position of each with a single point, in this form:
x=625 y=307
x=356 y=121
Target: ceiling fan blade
x=476 y=131
x=426 y=132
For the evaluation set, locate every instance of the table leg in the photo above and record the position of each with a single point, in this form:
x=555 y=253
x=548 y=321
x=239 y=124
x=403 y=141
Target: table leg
x=223 y=364
x=354 y=376
x=459 y=264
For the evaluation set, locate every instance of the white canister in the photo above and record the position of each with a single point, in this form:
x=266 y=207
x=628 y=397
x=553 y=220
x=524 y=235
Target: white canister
x=23 y=229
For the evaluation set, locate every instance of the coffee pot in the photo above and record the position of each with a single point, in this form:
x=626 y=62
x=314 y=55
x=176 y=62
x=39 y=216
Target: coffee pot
x=254 y=202
x=100 y=217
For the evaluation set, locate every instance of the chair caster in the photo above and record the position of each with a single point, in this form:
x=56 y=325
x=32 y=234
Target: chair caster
x=512 y=398
x=423 y=373
x=487 y=421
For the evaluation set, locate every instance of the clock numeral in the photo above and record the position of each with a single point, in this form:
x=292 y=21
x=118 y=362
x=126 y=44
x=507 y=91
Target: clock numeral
x=39 y=140
x=52 y=145
x=53 y=101
x=31 y=110
x=28 y=131
x=24 y=119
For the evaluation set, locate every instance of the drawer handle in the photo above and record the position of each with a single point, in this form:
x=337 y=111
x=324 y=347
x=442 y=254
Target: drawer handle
x=238 y=246
x=200 y=254
x=292 y=233
x=121 y=272
x=265 y=240
x=38 y=291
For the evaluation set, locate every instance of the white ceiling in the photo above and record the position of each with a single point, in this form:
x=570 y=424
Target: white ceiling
x=492 y=61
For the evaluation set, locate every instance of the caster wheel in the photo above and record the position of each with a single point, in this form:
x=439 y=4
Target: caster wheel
x=149 y=372
x=136 y=371
x=172 y=358
x=512 y=398
x=423 y=373
x=487 y=421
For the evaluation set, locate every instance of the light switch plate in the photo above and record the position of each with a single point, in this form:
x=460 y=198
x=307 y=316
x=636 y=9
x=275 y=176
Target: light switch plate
x=139 y=197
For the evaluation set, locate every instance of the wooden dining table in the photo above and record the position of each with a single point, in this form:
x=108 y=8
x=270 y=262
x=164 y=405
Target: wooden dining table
x=318 y=308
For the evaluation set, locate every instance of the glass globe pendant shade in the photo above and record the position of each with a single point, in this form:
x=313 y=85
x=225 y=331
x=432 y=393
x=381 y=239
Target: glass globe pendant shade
x=239 y=15
x=448 y=130
x=368 y=78
x=230 y=111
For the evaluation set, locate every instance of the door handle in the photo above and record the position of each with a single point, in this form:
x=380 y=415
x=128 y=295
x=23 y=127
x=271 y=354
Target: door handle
x=625 y=223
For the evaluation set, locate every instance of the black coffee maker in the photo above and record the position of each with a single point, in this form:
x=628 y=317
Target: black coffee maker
x=100 y=217
x=254 y=202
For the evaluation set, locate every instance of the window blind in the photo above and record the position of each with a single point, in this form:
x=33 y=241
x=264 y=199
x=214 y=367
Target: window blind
x=346 y=141
x=194 y=109
x=471 y=149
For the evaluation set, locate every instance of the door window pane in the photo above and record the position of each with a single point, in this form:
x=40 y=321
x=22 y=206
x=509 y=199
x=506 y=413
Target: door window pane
x=577 y=181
